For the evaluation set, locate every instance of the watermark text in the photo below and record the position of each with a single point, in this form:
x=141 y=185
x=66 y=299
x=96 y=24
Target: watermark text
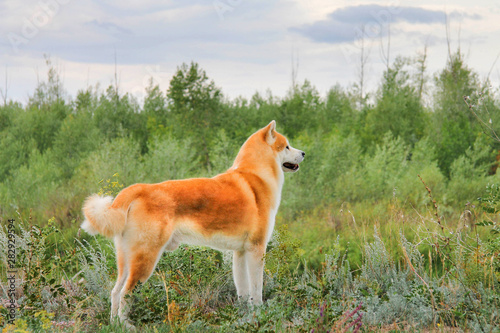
x=11 y=272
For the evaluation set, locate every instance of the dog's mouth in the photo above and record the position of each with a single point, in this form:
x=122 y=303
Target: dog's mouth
x=291 y=166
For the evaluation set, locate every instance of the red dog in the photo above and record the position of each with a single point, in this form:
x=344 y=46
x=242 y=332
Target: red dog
x=235 y=210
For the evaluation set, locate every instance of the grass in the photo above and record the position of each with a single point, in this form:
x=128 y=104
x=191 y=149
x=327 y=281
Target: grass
x=398 y=269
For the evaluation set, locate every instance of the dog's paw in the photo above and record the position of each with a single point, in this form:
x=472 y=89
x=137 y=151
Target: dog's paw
x=255 y=301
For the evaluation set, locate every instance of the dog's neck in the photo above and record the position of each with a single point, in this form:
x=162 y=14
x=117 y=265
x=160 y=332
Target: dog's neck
x=251 y=159
x=270 y=171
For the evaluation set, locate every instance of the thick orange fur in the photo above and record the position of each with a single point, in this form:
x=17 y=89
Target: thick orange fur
x=234 y=210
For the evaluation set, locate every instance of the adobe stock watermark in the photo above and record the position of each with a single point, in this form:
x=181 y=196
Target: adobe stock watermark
x=223 y=6
x=371 y=29
x=31 y=26
x=154 y=74
x=11 y=272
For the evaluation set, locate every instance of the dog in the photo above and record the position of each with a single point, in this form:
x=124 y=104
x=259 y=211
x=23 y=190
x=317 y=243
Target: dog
x=235 y=210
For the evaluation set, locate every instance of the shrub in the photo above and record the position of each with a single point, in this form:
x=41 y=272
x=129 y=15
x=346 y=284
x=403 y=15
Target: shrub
x=120 y=156
x=378 y=175
x=30 y=186
x=167 y=158
x=468 y=173
x=423 y=162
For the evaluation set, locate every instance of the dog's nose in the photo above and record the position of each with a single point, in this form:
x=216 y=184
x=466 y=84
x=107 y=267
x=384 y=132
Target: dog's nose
x=303 y=154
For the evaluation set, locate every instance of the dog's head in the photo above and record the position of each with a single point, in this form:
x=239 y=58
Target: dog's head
x=289 y=157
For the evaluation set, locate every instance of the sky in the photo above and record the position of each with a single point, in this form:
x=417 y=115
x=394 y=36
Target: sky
x=244 y=46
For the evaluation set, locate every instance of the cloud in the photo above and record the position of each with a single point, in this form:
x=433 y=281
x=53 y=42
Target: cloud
x=110 y=27
x=147 y=33
x=460 y=16
x=350 y=23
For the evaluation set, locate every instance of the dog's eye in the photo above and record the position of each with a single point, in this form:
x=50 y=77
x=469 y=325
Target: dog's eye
x=287 y=147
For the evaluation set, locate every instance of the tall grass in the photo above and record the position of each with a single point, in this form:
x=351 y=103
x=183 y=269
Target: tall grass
x=418 y=272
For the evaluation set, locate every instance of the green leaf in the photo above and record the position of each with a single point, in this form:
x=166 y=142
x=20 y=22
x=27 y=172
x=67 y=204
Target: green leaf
x=484 y=223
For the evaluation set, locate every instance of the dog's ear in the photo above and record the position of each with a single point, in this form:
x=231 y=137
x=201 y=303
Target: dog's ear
x=270 y=132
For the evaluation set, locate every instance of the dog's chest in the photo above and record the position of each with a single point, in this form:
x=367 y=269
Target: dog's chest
x=274 y=210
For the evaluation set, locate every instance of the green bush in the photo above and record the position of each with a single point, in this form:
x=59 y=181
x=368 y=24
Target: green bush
x=423 y=162
x=377 y=177
x=167 y=158
x=29 y=186
x=469 y=172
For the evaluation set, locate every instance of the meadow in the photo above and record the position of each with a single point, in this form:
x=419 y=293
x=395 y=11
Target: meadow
x=390 y=225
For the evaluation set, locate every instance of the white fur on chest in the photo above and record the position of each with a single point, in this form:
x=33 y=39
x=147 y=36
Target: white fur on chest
x=274 y=210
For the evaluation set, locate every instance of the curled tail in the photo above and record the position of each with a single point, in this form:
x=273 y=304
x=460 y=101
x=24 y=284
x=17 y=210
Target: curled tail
x=101 y=218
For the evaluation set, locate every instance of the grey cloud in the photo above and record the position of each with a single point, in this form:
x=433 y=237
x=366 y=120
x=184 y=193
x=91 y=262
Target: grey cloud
x=366 y=13
x=159 y=30
x=110 y=27
x=460 y=16
x=344 y=24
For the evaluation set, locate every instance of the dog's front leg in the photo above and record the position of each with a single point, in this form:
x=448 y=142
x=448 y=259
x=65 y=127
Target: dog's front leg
x=255 y=263
x=240 y=274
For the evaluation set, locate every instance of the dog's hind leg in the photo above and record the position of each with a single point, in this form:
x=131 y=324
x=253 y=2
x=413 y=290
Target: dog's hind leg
x=255 y=264
x=141 y=263
x=240 y=274
x=122 y=264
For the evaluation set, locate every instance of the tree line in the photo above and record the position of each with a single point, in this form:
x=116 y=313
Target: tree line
x=50 y=147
